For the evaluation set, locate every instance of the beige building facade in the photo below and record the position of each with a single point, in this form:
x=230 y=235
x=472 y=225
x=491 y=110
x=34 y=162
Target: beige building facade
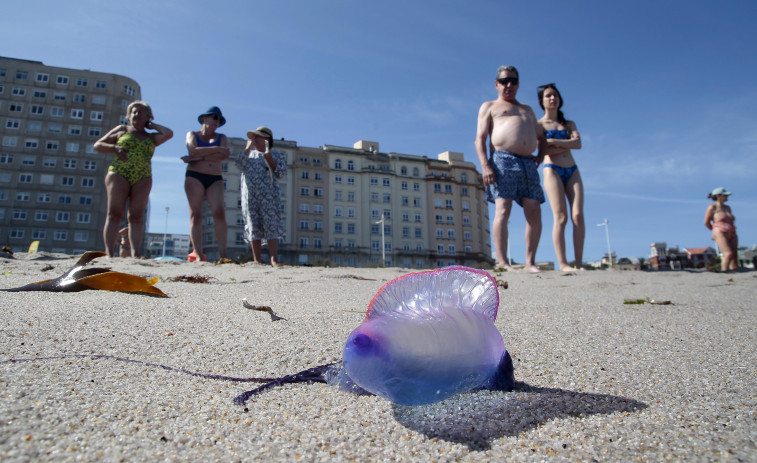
x=361 y=207
x=51 y=178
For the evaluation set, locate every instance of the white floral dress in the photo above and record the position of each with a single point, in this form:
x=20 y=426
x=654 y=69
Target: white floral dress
x=261 y=195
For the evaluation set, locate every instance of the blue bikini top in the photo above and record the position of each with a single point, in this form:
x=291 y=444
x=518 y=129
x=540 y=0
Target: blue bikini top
x=557 y=134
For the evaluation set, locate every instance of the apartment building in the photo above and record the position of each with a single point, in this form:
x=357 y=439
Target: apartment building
x=51 y=179
x=360 y=207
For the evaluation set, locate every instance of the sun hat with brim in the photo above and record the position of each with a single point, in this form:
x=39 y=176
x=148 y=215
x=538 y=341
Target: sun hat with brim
x=213 y=111
x=720 y=191
x=264 y=132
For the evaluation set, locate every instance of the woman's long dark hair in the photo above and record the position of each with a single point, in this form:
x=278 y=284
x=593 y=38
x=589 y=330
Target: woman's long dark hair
x=560 y=116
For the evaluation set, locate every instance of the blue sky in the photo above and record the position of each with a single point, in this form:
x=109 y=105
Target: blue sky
x=663 y=93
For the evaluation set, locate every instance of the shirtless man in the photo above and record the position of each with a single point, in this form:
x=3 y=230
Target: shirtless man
x=510 y=173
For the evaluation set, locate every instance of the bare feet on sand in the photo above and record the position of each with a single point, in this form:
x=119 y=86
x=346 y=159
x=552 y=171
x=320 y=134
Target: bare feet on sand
x=533 y=269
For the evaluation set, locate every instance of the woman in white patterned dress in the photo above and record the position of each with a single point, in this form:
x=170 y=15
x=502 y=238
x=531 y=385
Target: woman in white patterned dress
x=261 y=195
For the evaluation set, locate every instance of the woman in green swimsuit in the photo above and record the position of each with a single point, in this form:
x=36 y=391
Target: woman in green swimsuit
x=130 y=174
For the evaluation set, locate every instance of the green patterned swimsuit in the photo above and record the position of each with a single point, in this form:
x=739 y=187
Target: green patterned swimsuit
x=137 y=165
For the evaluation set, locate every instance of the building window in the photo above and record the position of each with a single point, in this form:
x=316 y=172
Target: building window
x=74 y=130
x=54 y=127
x=85 y=200
x=44 y=198
x=62 y=80
x=81 y=82
x=304 y=225
x=6 y=159
x=22 y=75
x=25 y=178
x=338 y=164
x=39 y=94
x=52 y=146
x=28 y=161
x=101 y=84
x=351 y=229
x=39 y=234
x=386 y=182
x=56 y=112
x=77 y=114
x=67 y=181
x=303 y=243
x=305 y=191
x=64 y=199
x=72 y=147
x=88 y=182
x=374 y=181
x=60 y=235
x=351 y=212
x=17 y=233
x=94 y=132
x=83 y=217
x=62 y=217
x=42 y=77
x=19 y=215
x=98 y=99
x=49 y=162
x=33 y=126
x=96 y=115
x=81 y=236
x=350 y=180
x=69 y=164
x=12 y=124
x=57 y=96
x=448 y=204
x=337 y=227
x=15 y=107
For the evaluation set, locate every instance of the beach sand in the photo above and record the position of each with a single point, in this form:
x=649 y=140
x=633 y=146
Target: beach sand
x=598 y=379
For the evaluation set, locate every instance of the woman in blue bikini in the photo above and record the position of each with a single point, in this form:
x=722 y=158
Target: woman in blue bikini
x=561 y=176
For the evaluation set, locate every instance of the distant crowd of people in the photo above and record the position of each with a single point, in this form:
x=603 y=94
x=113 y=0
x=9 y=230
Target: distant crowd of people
x=508 y=134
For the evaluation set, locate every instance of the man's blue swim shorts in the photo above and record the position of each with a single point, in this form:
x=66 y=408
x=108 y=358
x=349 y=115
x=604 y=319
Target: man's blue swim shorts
x=516 y=178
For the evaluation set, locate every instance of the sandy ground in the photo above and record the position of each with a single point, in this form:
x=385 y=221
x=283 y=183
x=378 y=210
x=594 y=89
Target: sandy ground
x=598 y=379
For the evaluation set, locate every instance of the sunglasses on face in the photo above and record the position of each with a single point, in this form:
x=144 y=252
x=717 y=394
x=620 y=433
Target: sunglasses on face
x=215 y=117
x=507 y=80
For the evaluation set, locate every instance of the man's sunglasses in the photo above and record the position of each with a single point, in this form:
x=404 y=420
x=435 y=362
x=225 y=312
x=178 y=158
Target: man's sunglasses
x=507 y=80
x=215 y=117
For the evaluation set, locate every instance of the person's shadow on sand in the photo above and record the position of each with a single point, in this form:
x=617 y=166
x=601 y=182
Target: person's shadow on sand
x=476 y=423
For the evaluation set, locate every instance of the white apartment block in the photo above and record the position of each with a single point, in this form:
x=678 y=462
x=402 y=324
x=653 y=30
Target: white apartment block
x=51 y=178
x=360 y=207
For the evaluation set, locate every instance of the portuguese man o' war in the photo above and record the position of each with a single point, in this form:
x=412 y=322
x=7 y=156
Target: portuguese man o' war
x=428 y=336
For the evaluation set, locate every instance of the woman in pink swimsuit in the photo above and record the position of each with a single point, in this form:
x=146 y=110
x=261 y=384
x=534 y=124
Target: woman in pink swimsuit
x=720 y=220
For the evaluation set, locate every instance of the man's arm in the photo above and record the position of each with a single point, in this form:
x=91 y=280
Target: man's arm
x=483 y=131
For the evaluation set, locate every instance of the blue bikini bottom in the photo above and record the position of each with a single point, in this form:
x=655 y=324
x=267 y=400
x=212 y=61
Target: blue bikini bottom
x=564 y=172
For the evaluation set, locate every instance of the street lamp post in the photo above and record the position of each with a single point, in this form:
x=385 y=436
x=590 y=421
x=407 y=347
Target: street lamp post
x=607 y=232
x=383 y=244
x=165 y=232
